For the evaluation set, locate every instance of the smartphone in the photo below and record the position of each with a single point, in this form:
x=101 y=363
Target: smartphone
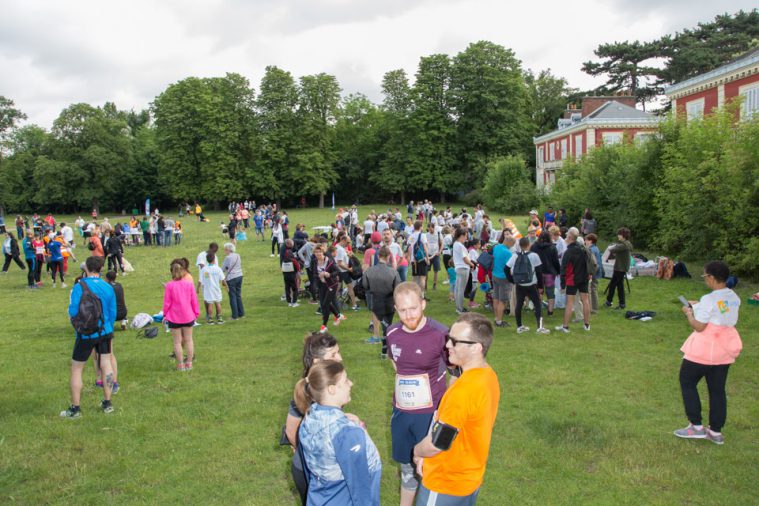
x=683 y=301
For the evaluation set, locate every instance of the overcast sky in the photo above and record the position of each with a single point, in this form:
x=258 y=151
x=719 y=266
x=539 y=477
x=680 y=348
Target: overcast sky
x=55 y=53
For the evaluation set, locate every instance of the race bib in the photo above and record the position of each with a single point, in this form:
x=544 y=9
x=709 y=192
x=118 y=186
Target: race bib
x=288 y=267
x=413 y=392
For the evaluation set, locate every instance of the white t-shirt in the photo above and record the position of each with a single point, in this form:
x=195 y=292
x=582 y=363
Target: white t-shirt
x=433 y=243
x=534 y=260
x=210 y=279
x=341 y=256
x=382 y=226
x=201 y=260
x=67 y=233
x=459 y=253
x=276 y=231
x=561 y=246
x=719 y=307
x=395 y=248
x=368 y=227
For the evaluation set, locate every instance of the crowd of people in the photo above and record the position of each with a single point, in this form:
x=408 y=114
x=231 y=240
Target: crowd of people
x=446 y=395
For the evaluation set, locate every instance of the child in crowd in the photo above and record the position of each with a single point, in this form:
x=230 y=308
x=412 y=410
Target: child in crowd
x=211 y=279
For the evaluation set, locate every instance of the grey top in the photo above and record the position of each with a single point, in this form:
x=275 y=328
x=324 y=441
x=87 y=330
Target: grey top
x=305 y=253
x=381 y=280
x=232 y=266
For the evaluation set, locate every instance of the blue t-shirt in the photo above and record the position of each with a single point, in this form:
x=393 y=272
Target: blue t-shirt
x=258 y=220
x=54 y=247
x=501 y=255
x=107 y=297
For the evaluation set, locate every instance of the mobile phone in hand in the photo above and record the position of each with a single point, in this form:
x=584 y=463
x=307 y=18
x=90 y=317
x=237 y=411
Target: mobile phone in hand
x=683 y=301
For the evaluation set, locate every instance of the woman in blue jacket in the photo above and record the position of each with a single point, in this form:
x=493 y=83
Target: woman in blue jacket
x=342 y=463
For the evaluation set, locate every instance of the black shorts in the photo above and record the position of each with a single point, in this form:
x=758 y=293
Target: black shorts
x=345 y=277
x=582 y=288
x=173 y=325
x=83 y=347
x=420 y=268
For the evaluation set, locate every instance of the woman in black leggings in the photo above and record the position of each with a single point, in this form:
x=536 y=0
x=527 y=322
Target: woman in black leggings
x=329 y=281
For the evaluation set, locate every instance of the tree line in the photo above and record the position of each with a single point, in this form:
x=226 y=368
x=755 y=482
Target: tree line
x=455 y=131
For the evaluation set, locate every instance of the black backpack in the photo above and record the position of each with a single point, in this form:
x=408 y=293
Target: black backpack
x=89 y=318
x=523 y=271
x=355 y=264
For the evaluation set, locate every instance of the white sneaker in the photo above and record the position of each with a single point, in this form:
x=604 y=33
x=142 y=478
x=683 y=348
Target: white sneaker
x=543 y=330
x=561 y=328
x=272 y=255
x=586 y=326
x=63 y=285
x=523 y=329
x=294 y=304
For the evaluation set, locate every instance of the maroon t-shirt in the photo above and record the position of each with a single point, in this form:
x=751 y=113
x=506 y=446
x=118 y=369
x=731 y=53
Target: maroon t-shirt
x=415 y=355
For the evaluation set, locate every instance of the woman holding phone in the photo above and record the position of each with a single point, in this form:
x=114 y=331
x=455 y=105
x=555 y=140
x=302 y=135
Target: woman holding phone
x=708 y=352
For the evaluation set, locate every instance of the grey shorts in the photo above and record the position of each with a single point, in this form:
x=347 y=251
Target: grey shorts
x=426 y=497
x=501 y=289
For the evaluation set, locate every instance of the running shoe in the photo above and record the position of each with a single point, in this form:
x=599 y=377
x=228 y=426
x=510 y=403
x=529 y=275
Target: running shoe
x=523 y=329
x=294 y=304
x=106 y=406
x=691 y=432
x=181 y=366
x=355 y=307
x=115 y=388
x=323 y=329
x=71 y=412
x=336 y=321
x=543 y=330
x=219 y=320
x=586 y=326
x=561 y=328
x=501 y=324
x=715 y=437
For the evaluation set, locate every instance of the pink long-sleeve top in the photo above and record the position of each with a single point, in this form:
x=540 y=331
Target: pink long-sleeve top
x=180 y=303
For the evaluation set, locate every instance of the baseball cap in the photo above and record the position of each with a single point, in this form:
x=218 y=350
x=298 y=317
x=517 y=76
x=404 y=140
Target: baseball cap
x=376 y=237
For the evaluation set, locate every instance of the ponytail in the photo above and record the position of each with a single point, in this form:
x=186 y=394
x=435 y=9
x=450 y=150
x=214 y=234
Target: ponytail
x=301 y=394
x=310 y=389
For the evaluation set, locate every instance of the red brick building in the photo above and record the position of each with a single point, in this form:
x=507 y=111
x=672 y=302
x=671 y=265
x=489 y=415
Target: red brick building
x=599 y=120
x=698 y=95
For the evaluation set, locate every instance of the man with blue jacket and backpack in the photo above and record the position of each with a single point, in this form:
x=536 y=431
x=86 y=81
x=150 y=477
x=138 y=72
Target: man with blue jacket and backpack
x=92 y=310
x=524 y=270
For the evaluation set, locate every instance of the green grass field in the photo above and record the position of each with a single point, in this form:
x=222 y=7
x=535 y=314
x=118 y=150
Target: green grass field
x=585 y=418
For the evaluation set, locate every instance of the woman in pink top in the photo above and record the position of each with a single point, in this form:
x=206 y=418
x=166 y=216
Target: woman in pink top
x=708 y=352
x=180 y=309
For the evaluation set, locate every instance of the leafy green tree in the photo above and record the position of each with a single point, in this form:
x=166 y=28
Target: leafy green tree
x=489 y=100
x=432 y=159
x=548 y=96
x=319 y=98
x=508 y=185
x=624 y=65
x=277 y=124
x=89 y=148
x=9 y=117
x=25 y=145
x=205 y=133
x=392 y=176
x=357 y=146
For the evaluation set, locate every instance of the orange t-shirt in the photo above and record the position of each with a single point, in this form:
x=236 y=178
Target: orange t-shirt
x=470 y=405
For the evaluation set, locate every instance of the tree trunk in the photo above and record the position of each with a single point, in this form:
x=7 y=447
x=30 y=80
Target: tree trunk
x=442 y=197
x=403 y=197
x=95 y=205
x=321 y=200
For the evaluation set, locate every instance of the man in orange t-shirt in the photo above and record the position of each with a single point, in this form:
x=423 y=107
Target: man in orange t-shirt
x=452 y=459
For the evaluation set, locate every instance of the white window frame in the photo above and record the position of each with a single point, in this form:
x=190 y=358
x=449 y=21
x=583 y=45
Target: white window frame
x=694 y=109
x=642 y=137
x=541 y=155
x=750 y=103
x=612 y=138
x=551 y=152
x=578 y=146
x=564 y=149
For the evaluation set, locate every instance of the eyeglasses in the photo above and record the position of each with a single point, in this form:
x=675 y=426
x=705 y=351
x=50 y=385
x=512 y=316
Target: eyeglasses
x=705 y=275
x=455 y=341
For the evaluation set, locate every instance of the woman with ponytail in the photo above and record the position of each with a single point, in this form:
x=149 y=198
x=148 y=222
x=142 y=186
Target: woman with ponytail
x=341 y=462
x=316 y=348
x=180 y=310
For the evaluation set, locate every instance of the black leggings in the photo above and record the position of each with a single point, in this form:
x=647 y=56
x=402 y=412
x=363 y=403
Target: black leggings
x=115 y=263
x=57 y=267
x=274 y=244
x=328 y=302
x=531 y=292
x=618 y=282
x=291 y=286
x=38 y=269
x=12 y=258
x=30 y=276
x=716 y=377
x=311 y=284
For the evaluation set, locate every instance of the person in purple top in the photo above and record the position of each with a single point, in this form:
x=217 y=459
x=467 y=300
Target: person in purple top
x=416 y=347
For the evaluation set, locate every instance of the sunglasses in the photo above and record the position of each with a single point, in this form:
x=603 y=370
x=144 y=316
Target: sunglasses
x=455 y=341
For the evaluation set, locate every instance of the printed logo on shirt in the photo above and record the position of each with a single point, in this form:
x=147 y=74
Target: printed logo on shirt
x=418 y=351
x=395 y=350
x=722 y=305
x=356 y=448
